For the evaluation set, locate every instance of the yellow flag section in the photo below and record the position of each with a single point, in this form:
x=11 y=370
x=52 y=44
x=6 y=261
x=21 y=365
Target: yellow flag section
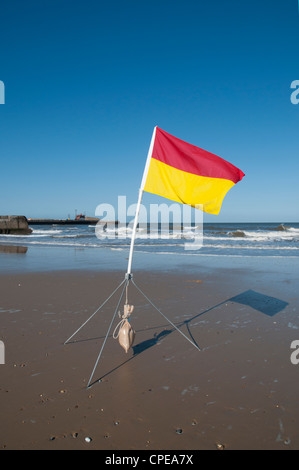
x=187 y=174
x=187 y=188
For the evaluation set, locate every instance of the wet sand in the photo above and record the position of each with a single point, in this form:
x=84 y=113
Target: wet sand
x=239 y=392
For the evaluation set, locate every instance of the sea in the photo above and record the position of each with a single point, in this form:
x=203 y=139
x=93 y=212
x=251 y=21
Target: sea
x=217 y=239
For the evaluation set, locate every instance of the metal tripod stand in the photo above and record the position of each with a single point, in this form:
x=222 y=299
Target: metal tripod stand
x=124 y=284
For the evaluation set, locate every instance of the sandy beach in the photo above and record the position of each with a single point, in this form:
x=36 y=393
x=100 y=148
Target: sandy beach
x=238 y=392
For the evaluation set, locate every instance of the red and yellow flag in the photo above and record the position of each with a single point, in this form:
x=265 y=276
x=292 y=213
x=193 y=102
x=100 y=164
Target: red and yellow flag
x=184 y=173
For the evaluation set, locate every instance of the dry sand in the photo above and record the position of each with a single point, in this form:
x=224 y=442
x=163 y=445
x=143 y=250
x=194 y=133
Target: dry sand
x=239 y=392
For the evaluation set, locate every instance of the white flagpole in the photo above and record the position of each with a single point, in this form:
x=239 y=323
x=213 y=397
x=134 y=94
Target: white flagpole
x=149 y=156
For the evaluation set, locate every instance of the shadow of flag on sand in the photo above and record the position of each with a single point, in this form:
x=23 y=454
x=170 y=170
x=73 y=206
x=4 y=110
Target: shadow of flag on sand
x=263 y=303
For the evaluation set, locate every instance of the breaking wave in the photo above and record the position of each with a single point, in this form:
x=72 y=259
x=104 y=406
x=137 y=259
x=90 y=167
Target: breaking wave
x=260 y=239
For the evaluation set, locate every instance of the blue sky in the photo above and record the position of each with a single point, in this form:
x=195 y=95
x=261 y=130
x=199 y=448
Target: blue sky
x=87 y=81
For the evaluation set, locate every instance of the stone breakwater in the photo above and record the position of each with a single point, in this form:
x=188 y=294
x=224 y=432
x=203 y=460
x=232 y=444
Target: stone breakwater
x=14 y=225
x=83 y=221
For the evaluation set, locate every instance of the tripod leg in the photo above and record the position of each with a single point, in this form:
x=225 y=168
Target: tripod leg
x=104 y=342
x=95 y=312
x=156 y=308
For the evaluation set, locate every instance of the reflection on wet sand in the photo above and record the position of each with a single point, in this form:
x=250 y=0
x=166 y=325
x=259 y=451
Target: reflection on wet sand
x=13 y=249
